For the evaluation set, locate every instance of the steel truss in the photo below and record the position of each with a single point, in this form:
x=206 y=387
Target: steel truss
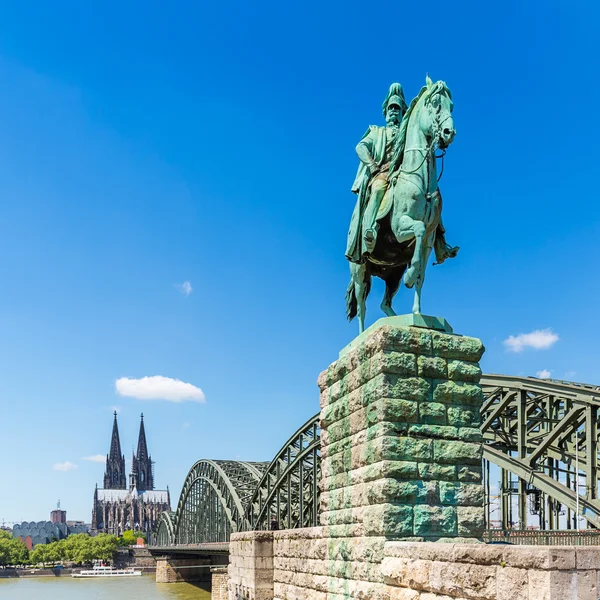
x=546 y=433
x=221 y=497
x=165 y=532
x=288 y=493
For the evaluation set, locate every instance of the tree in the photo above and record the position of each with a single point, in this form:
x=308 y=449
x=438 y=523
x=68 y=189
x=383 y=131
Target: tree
x=12 y=550
x=130 y=537
x=19 y=554
x=105 y=546
x=40 y=555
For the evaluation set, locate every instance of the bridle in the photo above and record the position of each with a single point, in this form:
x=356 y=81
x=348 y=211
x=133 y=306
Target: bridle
x=436 y=128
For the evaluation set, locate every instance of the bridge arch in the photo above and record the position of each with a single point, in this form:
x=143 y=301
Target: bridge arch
x=289 y=489
x=213 y=498
x=165 y=533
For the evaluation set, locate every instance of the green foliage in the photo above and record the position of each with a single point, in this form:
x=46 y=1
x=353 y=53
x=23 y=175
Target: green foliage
x=130 y=537
x=79 y=549
x=12 y=551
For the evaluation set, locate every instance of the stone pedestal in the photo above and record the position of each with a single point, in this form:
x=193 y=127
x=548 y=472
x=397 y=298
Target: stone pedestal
x=400 y=437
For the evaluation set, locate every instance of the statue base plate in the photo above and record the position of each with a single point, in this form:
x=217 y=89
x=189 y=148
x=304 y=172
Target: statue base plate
x=409 y=320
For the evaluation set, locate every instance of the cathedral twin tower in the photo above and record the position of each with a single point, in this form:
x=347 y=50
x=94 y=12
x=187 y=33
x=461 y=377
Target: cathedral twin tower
x=116 y=508
x=142 y=472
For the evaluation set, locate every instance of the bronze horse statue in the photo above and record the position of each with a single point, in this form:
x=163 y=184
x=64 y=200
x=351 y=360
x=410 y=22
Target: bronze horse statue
x=410 y=212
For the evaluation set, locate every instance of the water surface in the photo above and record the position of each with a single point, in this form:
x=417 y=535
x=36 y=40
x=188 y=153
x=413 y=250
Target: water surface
x=118 y=588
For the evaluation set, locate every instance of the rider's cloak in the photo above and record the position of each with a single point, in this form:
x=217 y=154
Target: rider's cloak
x=375 y=139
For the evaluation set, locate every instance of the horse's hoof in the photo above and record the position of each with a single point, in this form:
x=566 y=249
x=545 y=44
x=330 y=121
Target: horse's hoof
x=410 y=277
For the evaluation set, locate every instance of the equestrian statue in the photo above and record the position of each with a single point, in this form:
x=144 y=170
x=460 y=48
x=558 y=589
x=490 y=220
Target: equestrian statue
x=397 y=220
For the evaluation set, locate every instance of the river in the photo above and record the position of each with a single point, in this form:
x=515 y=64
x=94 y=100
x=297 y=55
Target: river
x=118 y=588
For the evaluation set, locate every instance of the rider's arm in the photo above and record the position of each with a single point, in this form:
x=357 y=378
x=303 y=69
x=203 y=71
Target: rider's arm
x=364 y=149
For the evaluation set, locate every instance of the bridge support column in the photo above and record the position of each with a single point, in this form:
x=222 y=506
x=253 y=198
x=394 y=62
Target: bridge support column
x=400 y=435
x=218 y=588
x=174 y=570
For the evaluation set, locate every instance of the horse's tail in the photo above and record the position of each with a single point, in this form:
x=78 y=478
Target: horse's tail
x=352 y=300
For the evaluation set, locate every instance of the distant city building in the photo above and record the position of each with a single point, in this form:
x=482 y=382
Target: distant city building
x=44 y=532
x=57 y=515
x=117 y=509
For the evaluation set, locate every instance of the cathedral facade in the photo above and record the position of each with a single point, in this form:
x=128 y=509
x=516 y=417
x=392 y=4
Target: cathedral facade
x=119 y=507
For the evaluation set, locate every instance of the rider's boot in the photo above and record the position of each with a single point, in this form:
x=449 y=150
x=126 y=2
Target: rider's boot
x=370 y=238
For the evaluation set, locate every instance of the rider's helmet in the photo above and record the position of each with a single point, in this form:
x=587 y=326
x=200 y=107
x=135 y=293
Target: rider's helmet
x=395 y=96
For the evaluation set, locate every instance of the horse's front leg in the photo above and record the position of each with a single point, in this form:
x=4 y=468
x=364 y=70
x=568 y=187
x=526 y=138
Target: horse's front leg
x=421 y=276
x=418 y=230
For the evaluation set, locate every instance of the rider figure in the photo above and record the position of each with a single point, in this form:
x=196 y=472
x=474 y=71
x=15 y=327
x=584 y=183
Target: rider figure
x=375 y=151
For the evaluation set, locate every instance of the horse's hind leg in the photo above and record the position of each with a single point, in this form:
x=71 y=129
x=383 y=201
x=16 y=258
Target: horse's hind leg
x=361 y=278
x=392 y=282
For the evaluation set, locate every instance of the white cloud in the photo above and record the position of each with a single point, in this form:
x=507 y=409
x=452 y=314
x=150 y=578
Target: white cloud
x=544 y=374
x=185 y=288
x=66 y=466
x=99 y=458
x=540 y=339
x=159 y=388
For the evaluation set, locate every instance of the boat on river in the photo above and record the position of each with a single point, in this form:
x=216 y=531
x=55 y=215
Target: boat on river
x=106 y=571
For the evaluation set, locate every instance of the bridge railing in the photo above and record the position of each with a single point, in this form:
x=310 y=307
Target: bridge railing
x=556 y=537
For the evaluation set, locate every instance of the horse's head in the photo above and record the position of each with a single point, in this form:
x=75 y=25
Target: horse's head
x=436 y=118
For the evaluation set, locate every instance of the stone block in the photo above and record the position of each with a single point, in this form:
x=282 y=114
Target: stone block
x=457 y=347
x=388 y=520
x=458 y=392
x=392 y=409
x=461 y=494
x=470 y=434
x=409 y=388
x=471 y=521
x=463 y=580
x=513 y=584
x=456 y=452
x=587 y=585
x=433 y=431
x=432 y=471
x=432 y=413
x=460 y=370
x=587 y=558
x=434 y=521
x=539 y=557
x=470 y=473
x=463 y=416
x=432 y=367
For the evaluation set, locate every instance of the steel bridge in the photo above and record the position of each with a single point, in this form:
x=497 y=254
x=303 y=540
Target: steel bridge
x=540 y=463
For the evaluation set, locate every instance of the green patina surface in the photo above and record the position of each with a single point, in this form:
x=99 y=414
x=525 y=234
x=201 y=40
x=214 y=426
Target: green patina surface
x=409 y=320
x=402 y=460
x=397 y=220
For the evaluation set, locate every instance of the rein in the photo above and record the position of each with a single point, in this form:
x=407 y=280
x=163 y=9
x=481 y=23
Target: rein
x=430 y=148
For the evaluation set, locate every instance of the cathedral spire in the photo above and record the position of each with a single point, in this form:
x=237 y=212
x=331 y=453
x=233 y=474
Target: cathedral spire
x=115 y=442
x=114 y=477
x=142 y=448
x=142 y=475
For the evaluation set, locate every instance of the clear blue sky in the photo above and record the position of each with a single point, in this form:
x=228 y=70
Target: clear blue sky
x=143 y=145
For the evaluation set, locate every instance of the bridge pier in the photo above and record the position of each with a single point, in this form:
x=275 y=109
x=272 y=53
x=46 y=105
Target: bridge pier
x=401 y=490
x=175 y=570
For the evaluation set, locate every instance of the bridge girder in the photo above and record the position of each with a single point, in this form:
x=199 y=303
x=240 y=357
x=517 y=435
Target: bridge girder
x=546 y=433
x=536 y=429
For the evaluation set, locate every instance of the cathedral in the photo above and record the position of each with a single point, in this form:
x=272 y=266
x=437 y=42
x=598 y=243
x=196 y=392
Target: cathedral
x=118 y=508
